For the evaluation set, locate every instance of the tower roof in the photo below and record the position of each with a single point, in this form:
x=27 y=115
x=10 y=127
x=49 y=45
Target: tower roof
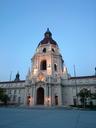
x=47 y=38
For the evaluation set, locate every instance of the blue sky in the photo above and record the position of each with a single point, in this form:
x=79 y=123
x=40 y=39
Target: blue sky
x=24 y=22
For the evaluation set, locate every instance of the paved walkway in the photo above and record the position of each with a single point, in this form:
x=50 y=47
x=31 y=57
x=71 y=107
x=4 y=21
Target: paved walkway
x=46 y=118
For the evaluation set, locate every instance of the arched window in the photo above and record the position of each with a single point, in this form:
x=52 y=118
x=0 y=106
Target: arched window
x=53 y=50
x=55 y=67
x=43 y=65
x=44 y=50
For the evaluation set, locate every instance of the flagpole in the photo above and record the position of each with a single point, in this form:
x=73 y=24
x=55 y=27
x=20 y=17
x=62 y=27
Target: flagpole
x=76 y=86
x=10 y=76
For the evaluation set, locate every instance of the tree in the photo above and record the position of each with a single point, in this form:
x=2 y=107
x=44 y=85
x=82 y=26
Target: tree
x=3 y=96
x=94 y=95
x=1 y=93
x=84 y=94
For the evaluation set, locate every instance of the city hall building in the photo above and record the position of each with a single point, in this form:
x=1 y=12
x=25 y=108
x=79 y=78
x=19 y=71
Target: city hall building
x=48 y=82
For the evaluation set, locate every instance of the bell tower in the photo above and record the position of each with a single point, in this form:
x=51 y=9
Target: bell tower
x=47 y=60
x=46 y=72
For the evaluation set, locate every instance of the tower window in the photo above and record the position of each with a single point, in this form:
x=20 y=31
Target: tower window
x=53 y=50
x=43 y=65
x=55 y=67
x=44 y=50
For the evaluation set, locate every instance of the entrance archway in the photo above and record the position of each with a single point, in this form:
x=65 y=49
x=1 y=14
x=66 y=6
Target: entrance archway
x=40 y=96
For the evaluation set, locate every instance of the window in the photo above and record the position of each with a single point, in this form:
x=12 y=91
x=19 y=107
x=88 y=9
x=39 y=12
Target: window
x=53 y=50
x=9 y=91
x=44 y=50
x=14 y=98
x=19 y=91
x=43 y=65
x=15 y=91
x=55 y=67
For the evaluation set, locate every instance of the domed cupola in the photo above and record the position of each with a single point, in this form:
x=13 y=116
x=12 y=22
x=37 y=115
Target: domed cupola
x=47 y=39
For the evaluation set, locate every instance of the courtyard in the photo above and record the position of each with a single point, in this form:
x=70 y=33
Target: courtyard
x=46 y=118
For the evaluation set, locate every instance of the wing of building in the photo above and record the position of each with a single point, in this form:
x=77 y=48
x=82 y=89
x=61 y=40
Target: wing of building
x=48 y=82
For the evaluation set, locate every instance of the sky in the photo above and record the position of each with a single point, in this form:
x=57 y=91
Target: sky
x=24 y=22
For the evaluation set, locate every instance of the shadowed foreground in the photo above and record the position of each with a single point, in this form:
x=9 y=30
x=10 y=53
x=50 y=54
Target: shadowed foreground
x=47 y=118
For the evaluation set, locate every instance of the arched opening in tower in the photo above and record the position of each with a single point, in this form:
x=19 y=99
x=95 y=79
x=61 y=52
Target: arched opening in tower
x=43 y=65
x=55 y=67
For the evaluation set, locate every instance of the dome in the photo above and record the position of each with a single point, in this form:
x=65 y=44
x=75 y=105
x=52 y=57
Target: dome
x=48 y=38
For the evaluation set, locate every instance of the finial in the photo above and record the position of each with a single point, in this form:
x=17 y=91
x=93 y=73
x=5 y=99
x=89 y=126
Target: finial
x=29 y=71
x=48 y=33
x=47 y=29
x=17 y=78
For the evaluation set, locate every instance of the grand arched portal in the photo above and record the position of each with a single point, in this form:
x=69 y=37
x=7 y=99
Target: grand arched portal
x=40 y=96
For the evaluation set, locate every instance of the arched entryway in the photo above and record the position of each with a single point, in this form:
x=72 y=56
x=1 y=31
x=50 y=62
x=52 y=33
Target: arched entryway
x=40 y=96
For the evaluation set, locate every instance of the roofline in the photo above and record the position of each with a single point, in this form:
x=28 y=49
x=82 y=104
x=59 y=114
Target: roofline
x=83 y=77
x=5 y=82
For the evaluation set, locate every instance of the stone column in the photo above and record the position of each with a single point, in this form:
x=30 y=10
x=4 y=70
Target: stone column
x=25 y=96
x=60 y=94
x=34 y=95
x=50 y=95
x=45 y=95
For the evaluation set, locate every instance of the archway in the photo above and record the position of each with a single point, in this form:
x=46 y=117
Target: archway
x=43 y=65
x=40 y=96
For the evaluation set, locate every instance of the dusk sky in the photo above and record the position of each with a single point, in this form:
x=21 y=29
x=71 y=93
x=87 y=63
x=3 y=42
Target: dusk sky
x=24 y=22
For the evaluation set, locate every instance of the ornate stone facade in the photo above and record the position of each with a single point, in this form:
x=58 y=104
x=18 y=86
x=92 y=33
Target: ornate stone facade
x=48 y=82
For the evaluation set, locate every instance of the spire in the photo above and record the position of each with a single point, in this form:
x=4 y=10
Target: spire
x=48 y=34
x=48 y=30
x=28 y=74
x=17 y=78
x=65 y=70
